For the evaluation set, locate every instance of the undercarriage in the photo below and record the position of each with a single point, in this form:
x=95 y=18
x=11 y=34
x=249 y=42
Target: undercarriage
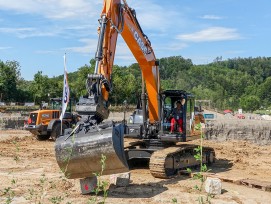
x=166 y=159
x=79 y=154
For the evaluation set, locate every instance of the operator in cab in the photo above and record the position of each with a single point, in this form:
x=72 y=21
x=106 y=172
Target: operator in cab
x=177 y=117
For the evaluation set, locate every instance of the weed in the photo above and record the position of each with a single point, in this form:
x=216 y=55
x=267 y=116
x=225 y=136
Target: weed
x=13 y=181
x=42 y=180
x=37 y=195
x=52 y=185
x=9 y=195
x=101 y=185
x=174 y=200
x=56 y=200
x=205 y=200
x=199 y=176
x=31 y=194
x=8 y=192
x=69 y=151
x=16 y=157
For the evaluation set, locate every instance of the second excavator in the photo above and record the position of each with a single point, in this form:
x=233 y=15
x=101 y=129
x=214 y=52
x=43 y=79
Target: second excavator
x=160 y=135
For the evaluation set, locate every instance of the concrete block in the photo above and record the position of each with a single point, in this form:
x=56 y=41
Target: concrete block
x=213 y=186
x=88 y=185
x=120 y=179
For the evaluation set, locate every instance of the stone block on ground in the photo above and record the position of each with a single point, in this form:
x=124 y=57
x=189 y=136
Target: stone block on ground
x=120 y=179
x=88 y=185
x=213 y=186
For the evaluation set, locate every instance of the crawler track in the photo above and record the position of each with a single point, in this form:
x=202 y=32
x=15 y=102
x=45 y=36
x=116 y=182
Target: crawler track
x=165 y=163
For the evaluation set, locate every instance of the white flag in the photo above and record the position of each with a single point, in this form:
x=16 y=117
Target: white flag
x=66 y=90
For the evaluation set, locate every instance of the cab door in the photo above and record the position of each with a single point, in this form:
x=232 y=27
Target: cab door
x=190 y=116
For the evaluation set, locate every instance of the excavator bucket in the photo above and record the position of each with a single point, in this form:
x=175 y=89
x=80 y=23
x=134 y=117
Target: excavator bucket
x=79 y=154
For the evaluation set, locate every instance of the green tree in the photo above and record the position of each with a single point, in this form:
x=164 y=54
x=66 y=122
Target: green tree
x=126 y=86
x=79 y=86
x=40 y=87
x=223 y=82
x=264 y=92
x=9 y=76
x=250 y=103
x=23 y=93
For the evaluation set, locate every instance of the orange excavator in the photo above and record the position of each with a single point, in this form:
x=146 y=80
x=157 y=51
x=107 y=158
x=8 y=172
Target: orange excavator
x=153 y=134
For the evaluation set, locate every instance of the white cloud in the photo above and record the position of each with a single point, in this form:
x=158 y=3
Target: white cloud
x=67 y=13
x=15 y=30
x=211 y=34
x=55 y=9
x=234 y=52
x=152 y=16
x=46 y=52
x=27 y=32
x=211 y=17
x=89 y=46
x=64 y=31
x=5 y=48
x=123 y=54
x=66 y=17
x=173 y=47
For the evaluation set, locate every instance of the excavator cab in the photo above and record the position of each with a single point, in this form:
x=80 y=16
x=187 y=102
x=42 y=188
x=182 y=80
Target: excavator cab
x=173 y=124
x=177 y=128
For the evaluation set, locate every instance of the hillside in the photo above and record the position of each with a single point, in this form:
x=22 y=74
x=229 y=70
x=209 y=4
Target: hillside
x=234 y=83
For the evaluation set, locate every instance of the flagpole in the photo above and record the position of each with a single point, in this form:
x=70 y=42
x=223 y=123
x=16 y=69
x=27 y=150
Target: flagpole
x=63 y=92
x=66 y=93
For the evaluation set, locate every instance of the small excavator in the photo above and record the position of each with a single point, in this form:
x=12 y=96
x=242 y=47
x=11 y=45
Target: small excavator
x=79 y=151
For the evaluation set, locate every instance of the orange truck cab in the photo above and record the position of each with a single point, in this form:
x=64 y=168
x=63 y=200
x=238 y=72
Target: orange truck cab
x=39 y=120
x=46 y=123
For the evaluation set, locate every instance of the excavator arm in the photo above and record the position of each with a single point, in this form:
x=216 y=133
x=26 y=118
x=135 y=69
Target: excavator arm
x=117 y=18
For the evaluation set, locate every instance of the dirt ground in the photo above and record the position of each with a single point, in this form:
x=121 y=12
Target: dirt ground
x=29 y=174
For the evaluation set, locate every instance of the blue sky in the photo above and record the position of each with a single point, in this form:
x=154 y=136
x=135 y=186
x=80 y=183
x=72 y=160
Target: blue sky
x=37 y=33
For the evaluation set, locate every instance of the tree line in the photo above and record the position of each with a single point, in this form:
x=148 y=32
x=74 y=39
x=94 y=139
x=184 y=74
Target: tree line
x=229 y=84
